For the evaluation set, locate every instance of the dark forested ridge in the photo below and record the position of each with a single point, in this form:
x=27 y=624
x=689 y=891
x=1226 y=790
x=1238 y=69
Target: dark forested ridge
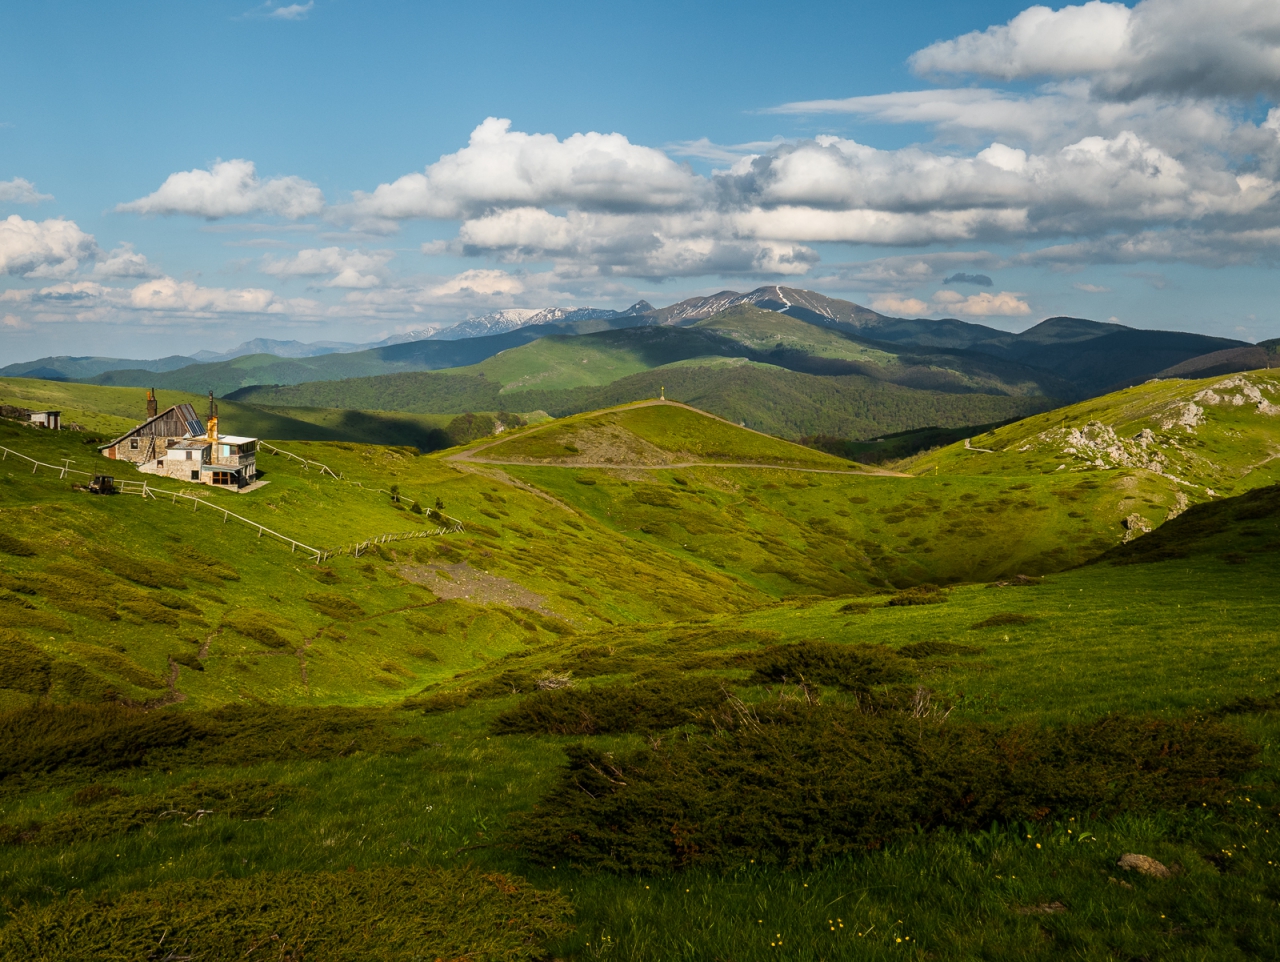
x=785 y=403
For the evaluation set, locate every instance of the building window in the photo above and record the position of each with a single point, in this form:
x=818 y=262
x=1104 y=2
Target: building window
x=133 y=444
x=188 y=455
x=195 y=475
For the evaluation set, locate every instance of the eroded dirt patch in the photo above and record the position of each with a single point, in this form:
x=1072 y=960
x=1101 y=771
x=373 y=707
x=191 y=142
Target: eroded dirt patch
x=461 y=581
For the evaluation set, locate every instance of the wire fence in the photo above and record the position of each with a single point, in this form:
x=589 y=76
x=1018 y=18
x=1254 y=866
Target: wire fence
x=147 y=490
x=325 y=469
x=356 y=550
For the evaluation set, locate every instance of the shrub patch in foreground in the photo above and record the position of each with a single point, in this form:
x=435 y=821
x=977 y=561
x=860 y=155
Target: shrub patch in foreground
x=103 y=811
x=611 y=709
x=340 y=917
x=799 y=784
x=46 y=738
x=848 y=667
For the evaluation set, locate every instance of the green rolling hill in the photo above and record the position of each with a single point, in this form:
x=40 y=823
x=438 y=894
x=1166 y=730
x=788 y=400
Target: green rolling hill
x=1219 y=435
x=674 y=689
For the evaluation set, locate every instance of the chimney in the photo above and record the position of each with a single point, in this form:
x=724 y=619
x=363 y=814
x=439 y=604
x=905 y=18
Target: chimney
x=211 y=431
x=152 y=407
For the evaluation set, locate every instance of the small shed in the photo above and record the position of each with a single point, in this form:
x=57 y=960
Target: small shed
x=47 y=419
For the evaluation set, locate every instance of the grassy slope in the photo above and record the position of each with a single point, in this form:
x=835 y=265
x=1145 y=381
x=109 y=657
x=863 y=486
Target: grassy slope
x=671 y=432
x=1189 y=632
x=110 y=411
x=591 y=360
x=1214 y=434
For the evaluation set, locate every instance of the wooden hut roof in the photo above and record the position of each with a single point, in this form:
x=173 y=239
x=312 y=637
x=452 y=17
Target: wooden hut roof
x=178 y=421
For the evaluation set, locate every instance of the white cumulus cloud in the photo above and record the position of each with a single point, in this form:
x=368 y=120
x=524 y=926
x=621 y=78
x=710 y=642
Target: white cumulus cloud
x=20 y=191
x=486 y=283
x=349 y=268
x=1177 y=47
x=1004 y=304
x=50 y=248
x=294 y=11
x=504 y=168
x=896 y=305
x=227 y=189
x=124 y=261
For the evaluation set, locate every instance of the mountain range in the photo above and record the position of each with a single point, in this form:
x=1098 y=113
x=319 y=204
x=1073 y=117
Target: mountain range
x=790 y=330
x=70 y=368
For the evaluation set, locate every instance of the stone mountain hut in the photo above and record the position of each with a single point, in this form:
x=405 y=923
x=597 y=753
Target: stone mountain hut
x=175 y=444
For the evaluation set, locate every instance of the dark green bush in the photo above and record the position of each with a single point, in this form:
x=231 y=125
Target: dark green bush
x=797 y=784
x=108 y=811
x=469 y=427
x=925 y=594
x=203 y=567
x=187 y=659
x=335 y=606
x=647 y=706
x=245 y=623
x=1004 y=618
x=439 y=702
x=23 y=666
x=150 y=573
x=15 y=546
x=377 y=915
x=849 y=667
x=936 y=649
x=47 y=738
x=658 y=497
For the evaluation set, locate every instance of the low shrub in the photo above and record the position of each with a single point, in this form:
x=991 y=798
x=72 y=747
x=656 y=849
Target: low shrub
x=150 y=573
x=590 y=661
x=848 y=667
x=204 y=568
x=370 y=916
x=15 y=546
x=46 y=738
x=655 y=496
x=854 y=608
x=187 y=659
x=797 y=784
x=335 y=606
x=117 y=664
x=23 y=666
x=612 y=709
x=103 y=811
x=936 y=649
x=246 y=624
x=925 y=594
x=1004 y=618
x=28 y=616
x=438 y=702
x=147 y=610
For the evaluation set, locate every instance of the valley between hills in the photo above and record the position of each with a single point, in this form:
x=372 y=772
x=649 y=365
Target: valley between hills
x=646 y=679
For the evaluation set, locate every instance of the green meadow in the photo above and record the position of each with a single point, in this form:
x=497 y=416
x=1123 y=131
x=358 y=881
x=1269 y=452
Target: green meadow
x=675 y=690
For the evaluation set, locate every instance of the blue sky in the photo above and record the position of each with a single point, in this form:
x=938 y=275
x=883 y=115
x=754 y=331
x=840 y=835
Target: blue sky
x=185 y=176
